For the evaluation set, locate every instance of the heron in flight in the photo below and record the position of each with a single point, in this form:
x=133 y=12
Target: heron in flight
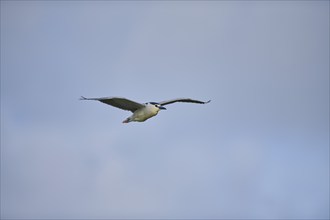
x=141 y=111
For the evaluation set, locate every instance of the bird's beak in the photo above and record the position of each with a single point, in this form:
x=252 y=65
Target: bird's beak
x=161 y=107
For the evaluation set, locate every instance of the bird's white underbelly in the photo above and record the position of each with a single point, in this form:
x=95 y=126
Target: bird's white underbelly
x=144 y=113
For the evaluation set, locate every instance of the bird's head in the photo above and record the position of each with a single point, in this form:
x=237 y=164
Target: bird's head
x=157 y=105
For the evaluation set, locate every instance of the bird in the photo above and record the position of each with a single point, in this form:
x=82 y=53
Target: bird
x=141 y=111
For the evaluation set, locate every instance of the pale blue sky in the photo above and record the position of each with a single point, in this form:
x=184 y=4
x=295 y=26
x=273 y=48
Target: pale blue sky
x=260 y=149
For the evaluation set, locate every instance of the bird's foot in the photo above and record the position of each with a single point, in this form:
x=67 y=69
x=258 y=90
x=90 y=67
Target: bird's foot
x=126 y=120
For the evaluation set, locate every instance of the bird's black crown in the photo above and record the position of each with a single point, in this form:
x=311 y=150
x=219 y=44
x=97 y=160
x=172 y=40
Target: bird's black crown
x=154 y=103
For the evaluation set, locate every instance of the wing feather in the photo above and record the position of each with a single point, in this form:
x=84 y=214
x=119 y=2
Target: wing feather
x=118 y=102
x=183 y=100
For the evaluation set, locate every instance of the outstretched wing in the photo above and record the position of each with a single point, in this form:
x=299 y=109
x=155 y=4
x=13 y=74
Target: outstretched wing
x=118 y=102
x=183 y=100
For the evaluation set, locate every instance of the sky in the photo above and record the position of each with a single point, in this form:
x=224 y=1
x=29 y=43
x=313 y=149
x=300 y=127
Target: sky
x=259 y=149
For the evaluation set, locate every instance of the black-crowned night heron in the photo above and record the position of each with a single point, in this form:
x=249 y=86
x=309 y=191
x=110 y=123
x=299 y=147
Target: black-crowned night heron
x=141 y=111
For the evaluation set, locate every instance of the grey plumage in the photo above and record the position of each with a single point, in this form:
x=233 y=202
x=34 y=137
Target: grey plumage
x=182 y=100
x=118 y=102
x=141 y=112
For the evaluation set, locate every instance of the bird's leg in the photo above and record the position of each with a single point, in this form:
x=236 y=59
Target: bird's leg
x=127 y=120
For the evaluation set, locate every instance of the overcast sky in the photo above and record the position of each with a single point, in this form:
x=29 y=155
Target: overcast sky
x=260 y=149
